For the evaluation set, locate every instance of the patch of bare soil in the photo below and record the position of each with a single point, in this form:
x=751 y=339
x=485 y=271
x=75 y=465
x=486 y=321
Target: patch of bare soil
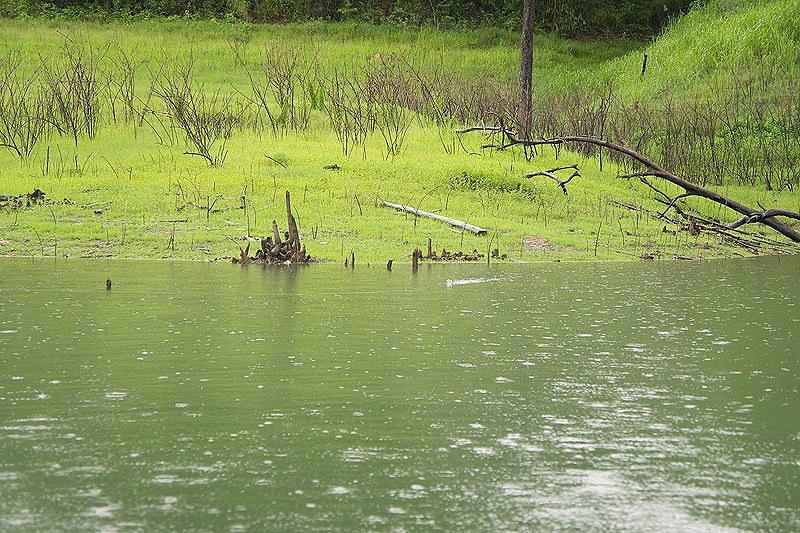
x=535 y=242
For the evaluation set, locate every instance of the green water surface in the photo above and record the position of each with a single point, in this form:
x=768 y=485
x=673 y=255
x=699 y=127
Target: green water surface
x=552 y=397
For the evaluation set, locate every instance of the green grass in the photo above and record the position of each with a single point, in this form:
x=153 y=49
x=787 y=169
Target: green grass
x=147 y=193
x=712 y=44
x=479 y=52
x=144 y=214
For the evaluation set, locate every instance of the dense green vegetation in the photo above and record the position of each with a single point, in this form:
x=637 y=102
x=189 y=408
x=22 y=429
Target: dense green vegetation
x=566 y=17
x=176 y=138
x=718 y=100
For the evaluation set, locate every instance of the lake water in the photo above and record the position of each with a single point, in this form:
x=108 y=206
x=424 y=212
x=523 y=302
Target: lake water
x=576 y=397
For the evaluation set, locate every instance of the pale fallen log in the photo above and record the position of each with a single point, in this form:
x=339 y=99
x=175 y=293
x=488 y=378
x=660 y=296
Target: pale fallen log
x=452 y=221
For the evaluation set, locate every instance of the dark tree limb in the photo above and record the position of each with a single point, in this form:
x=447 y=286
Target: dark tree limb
x=635 y=175
x=294 y=236
x=653 y=169
x=204 y=156
x=673 y=201
x=276 y=234
x=12 y=147
x=275 y=160
x=760 y=217
x=655 y=189
x=552 y=175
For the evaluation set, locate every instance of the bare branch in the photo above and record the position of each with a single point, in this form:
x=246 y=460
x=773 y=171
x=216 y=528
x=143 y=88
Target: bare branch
x=12 y=147
x=274 y=160
x=637 y=175
x=493 y=129
x=673 y=201
x=551 y=174
x=204 y=156
x=760 y=217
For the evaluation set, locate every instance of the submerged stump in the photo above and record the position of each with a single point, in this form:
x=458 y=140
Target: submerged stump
x=277 y=251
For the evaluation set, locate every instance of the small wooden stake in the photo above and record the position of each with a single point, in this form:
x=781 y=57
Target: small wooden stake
x=389 y=264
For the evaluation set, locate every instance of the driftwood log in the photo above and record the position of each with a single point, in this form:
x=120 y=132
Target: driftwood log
x=274 y=250
x=651 y=169
x=452 y=221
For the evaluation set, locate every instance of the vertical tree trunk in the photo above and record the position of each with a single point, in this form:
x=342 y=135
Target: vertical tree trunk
x=526 y=71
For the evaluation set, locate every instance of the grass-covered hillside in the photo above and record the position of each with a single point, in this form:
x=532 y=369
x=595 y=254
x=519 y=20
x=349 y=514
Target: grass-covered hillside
x=177 y=138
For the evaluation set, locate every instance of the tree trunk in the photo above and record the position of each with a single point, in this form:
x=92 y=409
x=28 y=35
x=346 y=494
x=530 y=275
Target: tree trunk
x=526 y=70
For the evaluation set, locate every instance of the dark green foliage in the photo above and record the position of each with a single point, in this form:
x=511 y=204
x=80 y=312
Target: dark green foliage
x=566 y=17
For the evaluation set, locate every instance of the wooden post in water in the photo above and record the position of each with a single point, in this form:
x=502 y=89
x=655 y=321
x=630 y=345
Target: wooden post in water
x=415 y=259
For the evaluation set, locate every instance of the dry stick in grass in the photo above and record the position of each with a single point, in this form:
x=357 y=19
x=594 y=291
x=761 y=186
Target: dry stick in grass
x=276 y=161
x=652 y=169
x=360 y=211
x=55 y=224
x=552 y=175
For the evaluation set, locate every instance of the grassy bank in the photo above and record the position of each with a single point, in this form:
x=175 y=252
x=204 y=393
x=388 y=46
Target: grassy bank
x=380 y=104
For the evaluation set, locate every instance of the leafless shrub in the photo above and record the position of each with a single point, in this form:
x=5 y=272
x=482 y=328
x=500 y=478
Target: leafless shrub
x=206 y=119
x=24 y=109
x=287 y=88
x=350 y=115
x=738 y=131
x=75 y=86
x=121 y=87
x=388 y=87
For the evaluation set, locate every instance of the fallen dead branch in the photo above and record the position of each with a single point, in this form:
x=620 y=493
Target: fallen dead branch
x=763 y=215
x=452 y=221
x=552 y=175
x=651 y=169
